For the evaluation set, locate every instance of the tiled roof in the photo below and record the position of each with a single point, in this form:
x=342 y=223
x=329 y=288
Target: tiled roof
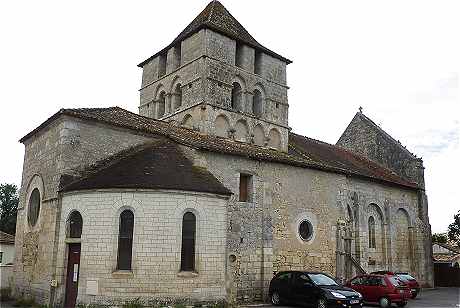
x=341 y=158
x=304 y=152
x=445 y=257
x=6 y=238
x=452 y=248
x=216 y=17
x=153 y=165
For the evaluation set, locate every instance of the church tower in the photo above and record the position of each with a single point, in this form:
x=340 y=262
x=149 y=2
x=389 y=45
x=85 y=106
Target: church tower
x=217 y=79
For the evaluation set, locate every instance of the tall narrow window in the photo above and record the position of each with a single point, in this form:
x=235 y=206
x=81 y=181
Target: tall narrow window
x=239 y=55
x=75 y=225
x=371 y=224
x=258 y=63
x=245 y=187
x=177 y=96
x=161 y=105
x=177 y=56
x=237 y=97
x=125 y=240
x=257 y=103
x=161 y=65
x=187 y=262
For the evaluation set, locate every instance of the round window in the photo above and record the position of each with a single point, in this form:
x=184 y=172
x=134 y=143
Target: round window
x=305 y=230
x=34 y=207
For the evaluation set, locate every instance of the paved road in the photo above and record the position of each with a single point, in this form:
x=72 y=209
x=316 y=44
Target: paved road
x=435 y=298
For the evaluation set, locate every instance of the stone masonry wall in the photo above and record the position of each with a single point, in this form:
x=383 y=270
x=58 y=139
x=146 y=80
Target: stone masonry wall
x=156 y=246
x=263 y=233
x=365 y=138
x=206 y=75
x=65 y=146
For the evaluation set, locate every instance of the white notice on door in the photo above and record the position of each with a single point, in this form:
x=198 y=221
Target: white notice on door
x=75 y=273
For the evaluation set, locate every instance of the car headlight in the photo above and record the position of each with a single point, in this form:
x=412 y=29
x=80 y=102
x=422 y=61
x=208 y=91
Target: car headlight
x=360 y=295
x=338 y=295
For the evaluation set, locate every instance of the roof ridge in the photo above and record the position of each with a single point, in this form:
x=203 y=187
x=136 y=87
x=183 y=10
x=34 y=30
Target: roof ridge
x=361 y=159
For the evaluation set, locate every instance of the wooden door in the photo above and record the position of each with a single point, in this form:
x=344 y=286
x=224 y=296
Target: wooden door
x=73 y=272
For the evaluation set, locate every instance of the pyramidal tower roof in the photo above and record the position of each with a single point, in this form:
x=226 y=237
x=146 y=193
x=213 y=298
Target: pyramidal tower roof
x=217 y=18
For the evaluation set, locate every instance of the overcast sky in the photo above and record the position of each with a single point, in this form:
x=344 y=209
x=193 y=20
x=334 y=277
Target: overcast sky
x=399 y=60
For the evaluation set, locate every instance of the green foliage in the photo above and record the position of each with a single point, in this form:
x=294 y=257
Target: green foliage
x=439 y=238
x=8 y=207
x=25 y=302
x=136 y=303
x=454 y=229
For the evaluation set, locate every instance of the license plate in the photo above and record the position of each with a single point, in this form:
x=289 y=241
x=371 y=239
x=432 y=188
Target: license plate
x=401 y=291
x=354 y=301
x=414 y=290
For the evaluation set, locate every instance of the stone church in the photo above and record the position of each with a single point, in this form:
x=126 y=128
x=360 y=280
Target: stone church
x=207 y=193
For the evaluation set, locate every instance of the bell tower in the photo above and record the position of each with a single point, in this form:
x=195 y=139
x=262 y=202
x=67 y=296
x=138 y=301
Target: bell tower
x=216 y=78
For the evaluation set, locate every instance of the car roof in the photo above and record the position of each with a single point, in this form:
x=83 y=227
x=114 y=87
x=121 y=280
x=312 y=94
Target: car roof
x=303 y=272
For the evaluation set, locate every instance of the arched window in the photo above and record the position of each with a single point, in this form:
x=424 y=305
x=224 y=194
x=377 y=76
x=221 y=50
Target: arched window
x=34 y=207
x=75 y=225
x=257 y=103
x=371 y=225
x=125 y=240
x=187 y=262
x=187 y=121
x=161 y=105
x=237 y=97
x=177 y=96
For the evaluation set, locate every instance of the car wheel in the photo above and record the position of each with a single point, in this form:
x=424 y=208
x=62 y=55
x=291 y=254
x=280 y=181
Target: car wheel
x=384 y=302
x=401 y=304
x=275 y=298
x=414 y=295
x=321 y=303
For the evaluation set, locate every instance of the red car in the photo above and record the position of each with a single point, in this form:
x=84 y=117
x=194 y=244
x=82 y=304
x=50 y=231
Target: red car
x=406 y=278
x=411 y=283
x=381 y=289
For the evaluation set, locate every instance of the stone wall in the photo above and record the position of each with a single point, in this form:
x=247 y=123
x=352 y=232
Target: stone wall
x=364 y=137
x=156 y=246
x=211 y=64
x=64 y=147
x=263 y=234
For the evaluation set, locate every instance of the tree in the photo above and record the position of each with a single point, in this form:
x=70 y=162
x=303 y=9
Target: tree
x=439 y=238
x=454 y=229
x=8 y=208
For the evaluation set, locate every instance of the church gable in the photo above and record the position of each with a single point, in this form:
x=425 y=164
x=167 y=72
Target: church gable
x=364 y=137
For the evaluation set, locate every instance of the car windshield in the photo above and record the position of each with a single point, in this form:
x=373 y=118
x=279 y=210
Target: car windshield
x=322 y=280
x=406 y=277
x=394 y=281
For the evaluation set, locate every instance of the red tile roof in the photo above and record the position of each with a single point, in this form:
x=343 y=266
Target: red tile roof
x=216 y=17
x=303 y=152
